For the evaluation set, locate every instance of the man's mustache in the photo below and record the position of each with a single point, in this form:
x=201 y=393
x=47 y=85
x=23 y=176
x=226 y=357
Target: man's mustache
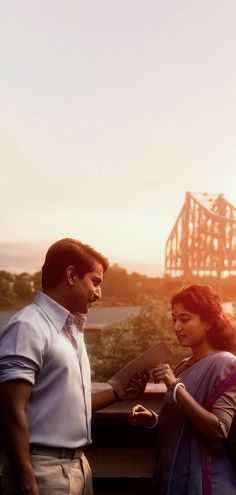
x=94 y=298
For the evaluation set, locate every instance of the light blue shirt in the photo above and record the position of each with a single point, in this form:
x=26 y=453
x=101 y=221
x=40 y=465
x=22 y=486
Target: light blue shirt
x=35 y=347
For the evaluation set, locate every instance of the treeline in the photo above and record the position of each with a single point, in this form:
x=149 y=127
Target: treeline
x=113 y=347
x=119 y=287
x=17 y=290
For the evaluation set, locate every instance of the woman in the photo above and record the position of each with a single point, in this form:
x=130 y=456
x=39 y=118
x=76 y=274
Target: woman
x=200 y=403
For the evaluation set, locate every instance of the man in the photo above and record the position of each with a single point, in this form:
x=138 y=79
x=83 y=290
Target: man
x=45 y=385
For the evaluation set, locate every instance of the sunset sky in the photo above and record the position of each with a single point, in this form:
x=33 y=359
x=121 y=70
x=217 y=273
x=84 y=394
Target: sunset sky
x=110 y=112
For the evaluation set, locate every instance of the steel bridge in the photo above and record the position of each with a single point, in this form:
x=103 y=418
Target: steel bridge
x=203 y=239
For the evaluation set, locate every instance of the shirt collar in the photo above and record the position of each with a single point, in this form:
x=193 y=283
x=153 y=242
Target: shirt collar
x=57 y=314
x=79 y=320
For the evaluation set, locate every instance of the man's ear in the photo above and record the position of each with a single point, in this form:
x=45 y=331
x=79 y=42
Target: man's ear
x=71 y=275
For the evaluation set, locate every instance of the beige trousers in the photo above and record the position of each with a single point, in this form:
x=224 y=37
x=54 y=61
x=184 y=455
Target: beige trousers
x=54 y=476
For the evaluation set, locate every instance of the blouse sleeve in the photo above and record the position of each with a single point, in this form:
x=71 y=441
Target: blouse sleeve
x=225 y=408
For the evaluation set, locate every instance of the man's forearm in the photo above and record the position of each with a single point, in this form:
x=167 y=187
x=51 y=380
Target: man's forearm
x=102 y=398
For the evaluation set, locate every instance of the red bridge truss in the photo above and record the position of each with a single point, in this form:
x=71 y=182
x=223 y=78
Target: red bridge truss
x=203 y=239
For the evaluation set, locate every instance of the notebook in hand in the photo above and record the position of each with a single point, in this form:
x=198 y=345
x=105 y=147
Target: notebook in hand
x=158 y=353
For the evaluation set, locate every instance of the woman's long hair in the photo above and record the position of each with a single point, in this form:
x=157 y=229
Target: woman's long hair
x=204 y=301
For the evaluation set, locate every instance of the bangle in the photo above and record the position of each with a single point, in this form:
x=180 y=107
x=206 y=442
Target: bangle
x=156 y=419
x=177 y=386
x=173 y=385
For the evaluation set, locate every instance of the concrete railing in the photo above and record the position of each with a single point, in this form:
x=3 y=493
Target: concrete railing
x=122 y=456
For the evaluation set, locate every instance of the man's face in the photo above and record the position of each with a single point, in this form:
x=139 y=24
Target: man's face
x=87 y=291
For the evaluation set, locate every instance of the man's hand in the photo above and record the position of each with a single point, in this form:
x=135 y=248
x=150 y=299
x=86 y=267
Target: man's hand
x=136 y=386
x=28 y=483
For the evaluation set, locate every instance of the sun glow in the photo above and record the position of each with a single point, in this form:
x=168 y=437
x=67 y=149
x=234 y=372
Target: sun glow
x=110 y=117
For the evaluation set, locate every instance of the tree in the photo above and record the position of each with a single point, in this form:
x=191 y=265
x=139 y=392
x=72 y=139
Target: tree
x=36 y=281
x=5 y=293
x=22 y=287
x=119 y=344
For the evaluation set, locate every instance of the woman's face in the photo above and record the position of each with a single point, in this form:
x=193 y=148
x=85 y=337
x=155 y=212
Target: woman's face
x=190 y=330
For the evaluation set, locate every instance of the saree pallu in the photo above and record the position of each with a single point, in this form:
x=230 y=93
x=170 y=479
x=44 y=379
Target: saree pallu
x=187 y=464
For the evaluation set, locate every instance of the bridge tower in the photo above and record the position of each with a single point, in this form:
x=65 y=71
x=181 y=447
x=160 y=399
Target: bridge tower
x=203 y=239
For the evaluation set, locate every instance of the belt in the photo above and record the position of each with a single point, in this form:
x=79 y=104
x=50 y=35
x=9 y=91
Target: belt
x=61 y=452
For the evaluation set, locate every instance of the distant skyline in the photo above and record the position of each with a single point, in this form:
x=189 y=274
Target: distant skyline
x=110 y=112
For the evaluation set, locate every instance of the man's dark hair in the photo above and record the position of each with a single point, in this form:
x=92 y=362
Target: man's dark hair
x=69 y=252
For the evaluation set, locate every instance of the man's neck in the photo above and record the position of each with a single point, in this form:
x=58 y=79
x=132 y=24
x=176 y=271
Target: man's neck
x=57 y=295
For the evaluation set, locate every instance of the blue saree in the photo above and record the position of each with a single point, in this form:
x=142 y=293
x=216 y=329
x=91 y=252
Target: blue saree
x=187 y=462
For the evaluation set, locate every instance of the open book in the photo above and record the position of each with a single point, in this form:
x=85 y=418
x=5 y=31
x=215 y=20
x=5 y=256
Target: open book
x=158 y=353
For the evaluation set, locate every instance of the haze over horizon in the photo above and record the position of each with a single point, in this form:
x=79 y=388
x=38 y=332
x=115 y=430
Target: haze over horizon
x=110 y=112
x=28 y=256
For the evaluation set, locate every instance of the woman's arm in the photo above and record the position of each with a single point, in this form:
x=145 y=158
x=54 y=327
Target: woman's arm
x=204 y=421
x=224 y=408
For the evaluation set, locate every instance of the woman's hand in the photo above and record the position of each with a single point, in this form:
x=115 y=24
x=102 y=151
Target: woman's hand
x=163 y=372
x=139 y=415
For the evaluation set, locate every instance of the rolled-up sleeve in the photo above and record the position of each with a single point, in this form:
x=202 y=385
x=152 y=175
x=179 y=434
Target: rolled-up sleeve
x=21 y=352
